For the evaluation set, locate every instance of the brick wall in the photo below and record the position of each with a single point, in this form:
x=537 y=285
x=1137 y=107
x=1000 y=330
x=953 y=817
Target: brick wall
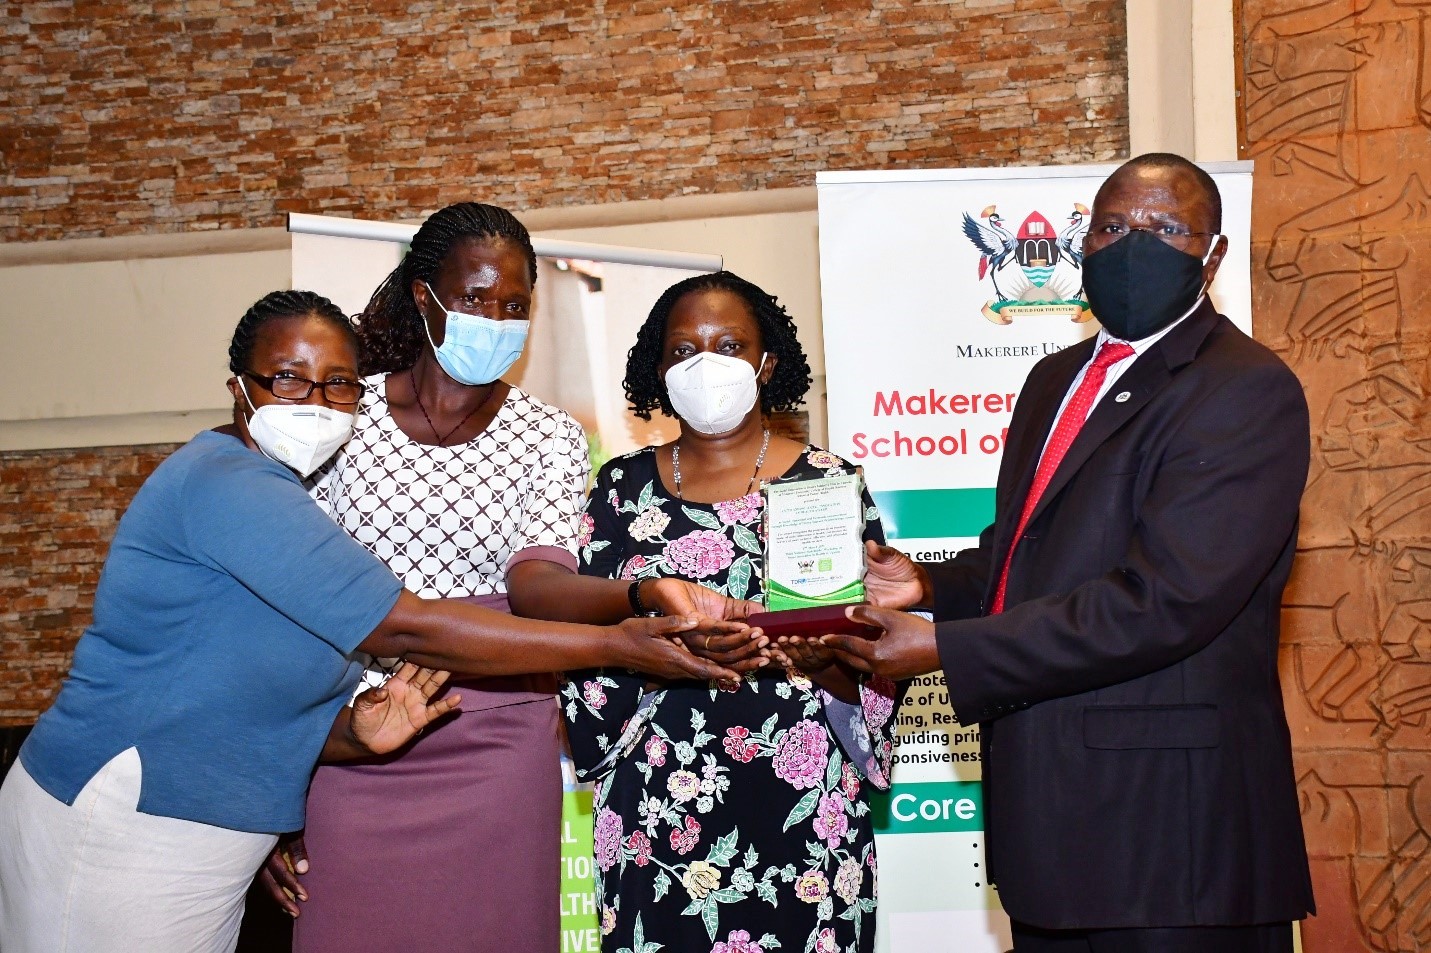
x=58 y=511
x=169 y=115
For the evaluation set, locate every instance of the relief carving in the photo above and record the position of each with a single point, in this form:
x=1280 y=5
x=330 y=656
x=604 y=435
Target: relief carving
x=1337 y=112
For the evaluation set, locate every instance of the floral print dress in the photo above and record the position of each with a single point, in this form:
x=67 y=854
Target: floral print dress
x=728 y=820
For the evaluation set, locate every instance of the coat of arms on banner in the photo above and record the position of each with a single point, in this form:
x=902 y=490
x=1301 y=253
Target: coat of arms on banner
x=1035 y=271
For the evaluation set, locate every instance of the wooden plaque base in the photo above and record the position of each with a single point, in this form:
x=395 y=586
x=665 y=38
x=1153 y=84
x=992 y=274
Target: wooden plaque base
x=823 y=620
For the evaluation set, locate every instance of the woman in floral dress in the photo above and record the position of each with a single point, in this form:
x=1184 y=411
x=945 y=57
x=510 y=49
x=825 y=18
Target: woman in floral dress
x=729 y=818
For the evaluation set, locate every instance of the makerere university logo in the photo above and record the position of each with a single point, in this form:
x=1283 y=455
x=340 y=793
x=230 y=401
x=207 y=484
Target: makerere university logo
x=1034 y=272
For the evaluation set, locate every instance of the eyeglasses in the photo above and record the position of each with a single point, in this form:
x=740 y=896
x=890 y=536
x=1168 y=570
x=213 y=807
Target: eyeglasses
x=1175 y=236
x=290 y=387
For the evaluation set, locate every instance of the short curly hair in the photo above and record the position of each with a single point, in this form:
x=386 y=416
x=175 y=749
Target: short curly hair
x=787 y=386
x=275 y=305
x=390 y=329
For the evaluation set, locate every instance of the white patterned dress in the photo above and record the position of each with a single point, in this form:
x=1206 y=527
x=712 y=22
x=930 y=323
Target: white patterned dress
x=449 y=520
x=471 y=811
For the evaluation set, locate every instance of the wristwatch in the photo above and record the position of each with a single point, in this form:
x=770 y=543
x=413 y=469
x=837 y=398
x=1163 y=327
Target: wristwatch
x=639 y=608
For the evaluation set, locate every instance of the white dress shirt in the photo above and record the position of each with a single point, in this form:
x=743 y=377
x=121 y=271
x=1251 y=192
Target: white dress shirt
x=1115 y=371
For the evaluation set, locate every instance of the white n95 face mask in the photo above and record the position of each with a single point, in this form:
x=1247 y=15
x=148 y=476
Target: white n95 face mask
x=713 y=392
x=300 y=436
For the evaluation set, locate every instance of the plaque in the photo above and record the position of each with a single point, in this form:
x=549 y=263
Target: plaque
x=814 y=556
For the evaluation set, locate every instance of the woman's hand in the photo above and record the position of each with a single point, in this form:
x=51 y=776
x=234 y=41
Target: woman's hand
x=384 y=719
x=740 y=651
x=803 y=655
x=683 y=598
x=279 y=874
x=812 y=658
x=657 y=646
x=893 y=580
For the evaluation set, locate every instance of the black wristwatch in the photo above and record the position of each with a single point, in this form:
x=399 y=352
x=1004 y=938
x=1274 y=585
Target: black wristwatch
x=639 y=608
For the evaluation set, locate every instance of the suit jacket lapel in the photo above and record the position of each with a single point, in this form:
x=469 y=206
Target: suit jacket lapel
x=1150 y=372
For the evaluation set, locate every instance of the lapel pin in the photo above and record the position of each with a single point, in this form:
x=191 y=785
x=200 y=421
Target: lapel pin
x=1122 y=397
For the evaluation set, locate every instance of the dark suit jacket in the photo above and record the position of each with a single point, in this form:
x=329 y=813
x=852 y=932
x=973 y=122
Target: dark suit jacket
x=1137 y=763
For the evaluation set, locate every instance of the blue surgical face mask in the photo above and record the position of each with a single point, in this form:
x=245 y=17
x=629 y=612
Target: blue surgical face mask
x=477 y=350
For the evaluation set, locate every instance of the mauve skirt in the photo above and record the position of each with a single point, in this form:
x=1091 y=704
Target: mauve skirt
x=453 y=842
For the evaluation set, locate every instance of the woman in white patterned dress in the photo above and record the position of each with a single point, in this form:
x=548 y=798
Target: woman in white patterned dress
x=466 y=487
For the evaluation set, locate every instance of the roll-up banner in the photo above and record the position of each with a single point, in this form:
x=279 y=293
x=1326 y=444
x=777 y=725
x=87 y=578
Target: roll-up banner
x=940 y=290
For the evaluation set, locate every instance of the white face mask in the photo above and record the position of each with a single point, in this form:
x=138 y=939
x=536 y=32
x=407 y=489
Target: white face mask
x=300 y=436
x=713 y=392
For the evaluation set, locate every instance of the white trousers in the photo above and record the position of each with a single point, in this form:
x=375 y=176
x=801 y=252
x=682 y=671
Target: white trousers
x=100 y=877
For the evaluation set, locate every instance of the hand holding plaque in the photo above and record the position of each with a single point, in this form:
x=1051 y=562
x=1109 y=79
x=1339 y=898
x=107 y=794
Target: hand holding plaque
x=905 y=648
x=814 y=556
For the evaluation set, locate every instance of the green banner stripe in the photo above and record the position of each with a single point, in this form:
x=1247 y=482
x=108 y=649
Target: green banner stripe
x=932 y=514
x=580 y=919
x=928 y=807
x=780 y=597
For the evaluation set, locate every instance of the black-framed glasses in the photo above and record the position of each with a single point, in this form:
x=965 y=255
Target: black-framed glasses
x=1176 y=236
x=292 y=387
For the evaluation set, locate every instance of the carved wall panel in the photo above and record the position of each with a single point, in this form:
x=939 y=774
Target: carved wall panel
x=1336 y=109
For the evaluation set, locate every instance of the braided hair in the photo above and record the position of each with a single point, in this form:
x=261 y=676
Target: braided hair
x=274 y=305
x=787 y=386
x=391 y=335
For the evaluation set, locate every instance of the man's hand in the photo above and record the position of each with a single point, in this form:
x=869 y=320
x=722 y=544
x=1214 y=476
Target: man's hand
x=683 y=598
x=279 y=874
x=893 y=580
x=905 y=649
x=384 y=719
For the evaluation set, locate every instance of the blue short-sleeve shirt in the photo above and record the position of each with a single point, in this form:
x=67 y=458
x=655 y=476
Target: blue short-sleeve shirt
x=224 y=624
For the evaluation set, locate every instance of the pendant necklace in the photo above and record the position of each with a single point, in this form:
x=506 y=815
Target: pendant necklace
x=442 y=438
x=759 y=462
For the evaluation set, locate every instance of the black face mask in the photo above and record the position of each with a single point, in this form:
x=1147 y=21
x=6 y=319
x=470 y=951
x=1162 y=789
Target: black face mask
x=1139 y=285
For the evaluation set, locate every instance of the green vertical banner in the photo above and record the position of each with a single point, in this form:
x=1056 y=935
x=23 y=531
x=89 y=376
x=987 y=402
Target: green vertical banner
x=580 y=921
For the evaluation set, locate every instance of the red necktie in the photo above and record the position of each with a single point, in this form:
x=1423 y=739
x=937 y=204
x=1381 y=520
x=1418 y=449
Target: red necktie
x=1069 y=423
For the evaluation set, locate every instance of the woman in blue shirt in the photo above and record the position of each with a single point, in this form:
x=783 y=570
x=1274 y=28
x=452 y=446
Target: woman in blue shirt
x=215 y=673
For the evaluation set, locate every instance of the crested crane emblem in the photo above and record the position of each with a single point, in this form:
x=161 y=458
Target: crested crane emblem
x=1034 y=271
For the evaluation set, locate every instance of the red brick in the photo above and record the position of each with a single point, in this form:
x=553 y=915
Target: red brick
x=52 y=544
x=211 y=117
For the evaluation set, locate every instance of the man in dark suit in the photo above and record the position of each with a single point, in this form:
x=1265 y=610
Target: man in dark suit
x=1115 y=631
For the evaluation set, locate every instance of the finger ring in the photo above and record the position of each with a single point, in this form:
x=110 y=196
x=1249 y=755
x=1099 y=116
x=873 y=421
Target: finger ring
x=708 y=643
